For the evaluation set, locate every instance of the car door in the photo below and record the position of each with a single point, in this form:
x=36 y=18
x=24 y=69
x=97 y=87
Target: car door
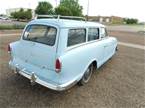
x=93 y=36
x=106 y=44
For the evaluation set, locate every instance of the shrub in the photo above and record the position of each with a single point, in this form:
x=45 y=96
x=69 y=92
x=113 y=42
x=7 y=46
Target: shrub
x=21 y=14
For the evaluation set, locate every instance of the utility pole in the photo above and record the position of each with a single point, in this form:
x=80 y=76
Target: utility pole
x=88 y=9
x=56 y=2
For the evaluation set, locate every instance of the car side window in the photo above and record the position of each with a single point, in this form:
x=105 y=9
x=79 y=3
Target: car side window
x=93 y=34
x=103 y=32
x=76 y=36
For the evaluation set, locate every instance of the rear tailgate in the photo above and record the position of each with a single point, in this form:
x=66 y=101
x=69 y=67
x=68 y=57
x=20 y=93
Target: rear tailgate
x=37 y=54
x=38 y=46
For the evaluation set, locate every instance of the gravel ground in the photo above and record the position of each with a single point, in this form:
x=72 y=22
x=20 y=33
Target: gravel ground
x=119 y=83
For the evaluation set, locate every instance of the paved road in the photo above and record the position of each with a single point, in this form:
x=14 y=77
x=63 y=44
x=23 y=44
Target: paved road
x=132 y=45
x=12 y=34
x=127 y=28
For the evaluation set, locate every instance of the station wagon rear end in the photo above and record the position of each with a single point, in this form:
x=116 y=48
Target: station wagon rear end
x=58 y=53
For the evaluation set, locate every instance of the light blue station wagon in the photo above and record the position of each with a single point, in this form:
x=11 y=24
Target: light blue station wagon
x=58 y=53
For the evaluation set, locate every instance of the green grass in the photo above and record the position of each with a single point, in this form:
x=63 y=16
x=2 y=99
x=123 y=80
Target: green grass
x=11 y=26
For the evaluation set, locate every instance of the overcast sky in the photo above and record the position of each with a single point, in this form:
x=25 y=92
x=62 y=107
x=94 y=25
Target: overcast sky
x=123 y=8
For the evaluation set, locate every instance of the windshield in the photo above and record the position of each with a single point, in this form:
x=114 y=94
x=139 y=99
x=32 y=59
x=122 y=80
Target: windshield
x=41 y=34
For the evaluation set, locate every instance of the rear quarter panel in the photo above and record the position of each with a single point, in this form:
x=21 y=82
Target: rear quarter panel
x=76 y=60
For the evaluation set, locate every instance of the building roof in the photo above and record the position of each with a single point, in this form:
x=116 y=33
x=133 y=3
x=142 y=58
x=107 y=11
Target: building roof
x=66 y=23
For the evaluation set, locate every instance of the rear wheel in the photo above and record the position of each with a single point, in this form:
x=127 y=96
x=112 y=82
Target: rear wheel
x=86 y=76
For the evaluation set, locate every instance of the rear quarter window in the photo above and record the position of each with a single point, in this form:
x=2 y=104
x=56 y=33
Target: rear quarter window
x=76 y=36
x=41 y=34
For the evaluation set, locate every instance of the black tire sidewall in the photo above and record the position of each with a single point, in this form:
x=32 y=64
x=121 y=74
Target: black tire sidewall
x=82 y=82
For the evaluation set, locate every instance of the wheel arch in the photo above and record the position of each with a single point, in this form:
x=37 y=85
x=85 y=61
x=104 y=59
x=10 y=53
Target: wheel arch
x=94 y=62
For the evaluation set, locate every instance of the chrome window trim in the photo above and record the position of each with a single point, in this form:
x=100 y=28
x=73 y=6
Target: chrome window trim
x=85 y=43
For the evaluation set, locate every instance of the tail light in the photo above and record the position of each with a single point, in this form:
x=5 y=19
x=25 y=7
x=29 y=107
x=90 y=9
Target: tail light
x=57 y=65
x=9 y=48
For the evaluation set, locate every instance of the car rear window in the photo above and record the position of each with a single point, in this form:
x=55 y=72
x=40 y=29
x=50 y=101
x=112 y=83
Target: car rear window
x=41 y=34
x=76 y=36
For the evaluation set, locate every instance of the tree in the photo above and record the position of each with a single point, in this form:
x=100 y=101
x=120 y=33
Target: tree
x=21 y=14
x=44 y=8
x=61 y=10
x=130 y=21
x=29 y=14
x=69 y=8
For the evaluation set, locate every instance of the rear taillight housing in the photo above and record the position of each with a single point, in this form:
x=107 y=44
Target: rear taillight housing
x=9 y=49
x=57 y=65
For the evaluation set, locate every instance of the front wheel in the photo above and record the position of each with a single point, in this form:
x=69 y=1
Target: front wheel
x=116 y=49
x=86 y=76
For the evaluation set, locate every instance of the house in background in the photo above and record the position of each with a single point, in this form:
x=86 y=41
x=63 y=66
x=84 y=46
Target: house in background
x=11 y=10
x=107 y=19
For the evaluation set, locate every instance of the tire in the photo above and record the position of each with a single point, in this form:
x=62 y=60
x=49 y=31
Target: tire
x=116 y=49
x=87 y=75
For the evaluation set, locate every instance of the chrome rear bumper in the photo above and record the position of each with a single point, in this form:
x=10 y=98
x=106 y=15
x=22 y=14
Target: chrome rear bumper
x=34 y=78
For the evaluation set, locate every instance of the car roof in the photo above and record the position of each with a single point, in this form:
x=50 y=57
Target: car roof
x=65 y=23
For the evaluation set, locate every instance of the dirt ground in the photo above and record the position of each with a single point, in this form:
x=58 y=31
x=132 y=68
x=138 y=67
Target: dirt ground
x=119 y=83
